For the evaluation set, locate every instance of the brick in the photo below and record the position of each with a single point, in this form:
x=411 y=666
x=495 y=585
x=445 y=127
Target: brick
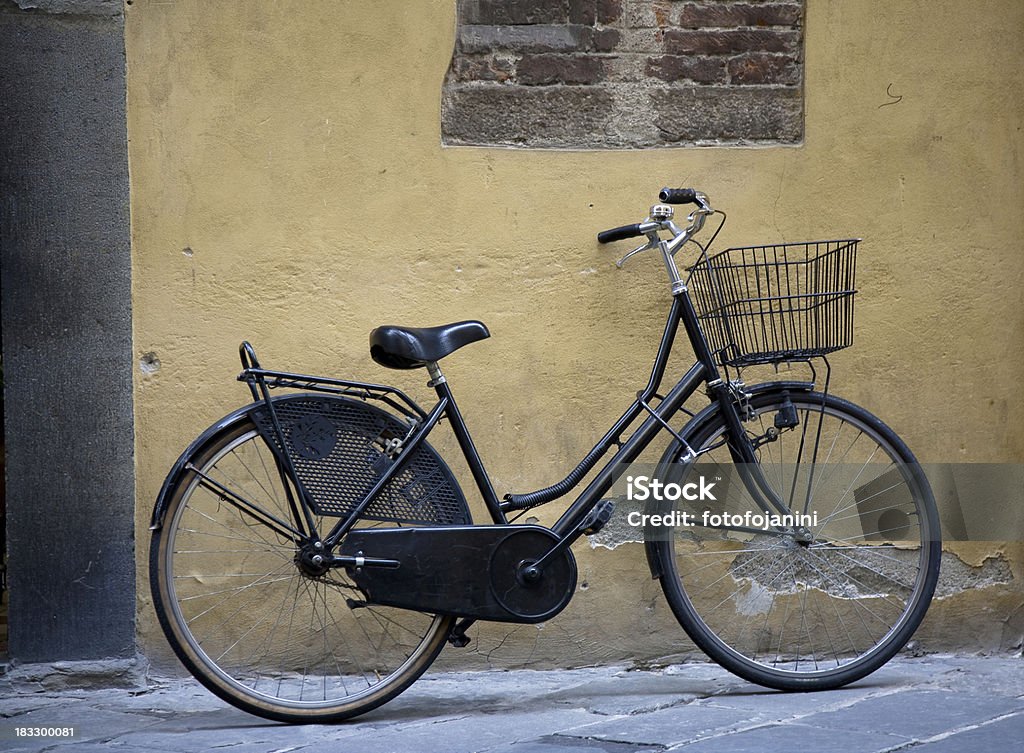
x=500 y=12
x=604 y=40
x=711 y=114
x=583 y=12
x=730 y=15
x=608 y=11
x=686 y=68
x=731 y=41
x=482 y=68
x=527 y=116
x=591 y=12
x=536 y=38
x=757 y=68
x=468 y=11
x=595 y=39
x=534 y=70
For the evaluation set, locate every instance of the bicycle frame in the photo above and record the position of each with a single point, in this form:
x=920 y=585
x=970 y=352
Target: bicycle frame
x=703 y=371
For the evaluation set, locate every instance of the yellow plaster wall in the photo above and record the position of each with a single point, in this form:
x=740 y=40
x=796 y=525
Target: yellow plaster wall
x=289 y=187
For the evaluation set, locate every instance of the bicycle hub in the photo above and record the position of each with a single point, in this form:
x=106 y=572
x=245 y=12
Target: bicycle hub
x=311 y=561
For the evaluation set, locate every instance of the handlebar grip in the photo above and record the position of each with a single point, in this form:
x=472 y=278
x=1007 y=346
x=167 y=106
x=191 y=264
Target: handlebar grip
x=619 y=233
x=678 y=195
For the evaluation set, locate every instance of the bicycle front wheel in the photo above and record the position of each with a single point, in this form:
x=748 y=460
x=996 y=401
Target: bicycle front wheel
x=244 y=615
x=829 y=599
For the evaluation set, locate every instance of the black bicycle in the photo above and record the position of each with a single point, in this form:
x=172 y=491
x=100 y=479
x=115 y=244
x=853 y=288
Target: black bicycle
x=312 y=553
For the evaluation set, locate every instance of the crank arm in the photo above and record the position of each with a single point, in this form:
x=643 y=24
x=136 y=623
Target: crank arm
x=594 y=522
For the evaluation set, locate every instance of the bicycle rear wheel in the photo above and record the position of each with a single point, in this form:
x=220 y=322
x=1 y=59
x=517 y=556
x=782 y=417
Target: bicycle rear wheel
x=251 y=623
x=822 y=605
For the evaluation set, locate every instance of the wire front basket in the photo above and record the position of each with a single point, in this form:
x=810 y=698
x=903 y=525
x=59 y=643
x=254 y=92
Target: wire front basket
x=768 y=304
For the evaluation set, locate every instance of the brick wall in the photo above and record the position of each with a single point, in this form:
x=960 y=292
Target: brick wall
x=625 y=73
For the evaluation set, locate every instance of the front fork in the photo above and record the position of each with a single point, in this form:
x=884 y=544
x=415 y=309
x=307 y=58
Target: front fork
x=734 y=406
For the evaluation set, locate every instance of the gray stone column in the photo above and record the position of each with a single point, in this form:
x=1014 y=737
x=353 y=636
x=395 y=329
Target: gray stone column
x=65 y=258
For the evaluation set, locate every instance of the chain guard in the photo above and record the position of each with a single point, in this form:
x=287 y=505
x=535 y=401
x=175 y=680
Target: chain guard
x=465 y=571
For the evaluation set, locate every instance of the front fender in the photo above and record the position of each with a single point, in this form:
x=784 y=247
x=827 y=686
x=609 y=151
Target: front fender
x=693 y=428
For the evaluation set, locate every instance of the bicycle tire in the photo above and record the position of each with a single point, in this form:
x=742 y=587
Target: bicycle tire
x=244 y=618
x=805 y=618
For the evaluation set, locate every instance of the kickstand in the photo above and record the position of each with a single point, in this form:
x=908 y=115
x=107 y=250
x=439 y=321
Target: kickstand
x=457 y=637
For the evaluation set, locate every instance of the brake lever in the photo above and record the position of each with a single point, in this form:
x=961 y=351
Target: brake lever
x=650 y=228
x=647 y=246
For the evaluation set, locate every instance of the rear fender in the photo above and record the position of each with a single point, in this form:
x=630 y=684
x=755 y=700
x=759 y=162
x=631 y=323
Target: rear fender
x=163 y=498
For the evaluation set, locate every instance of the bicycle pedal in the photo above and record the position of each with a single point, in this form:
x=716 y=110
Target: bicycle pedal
x=598 y=517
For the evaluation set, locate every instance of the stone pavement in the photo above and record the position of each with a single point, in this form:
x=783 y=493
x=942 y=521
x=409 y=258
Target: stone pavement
x=932 y=704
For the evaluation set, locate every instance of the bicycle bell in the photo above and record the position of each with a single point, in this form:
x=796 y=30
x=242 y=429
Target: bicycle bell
x=662 y=212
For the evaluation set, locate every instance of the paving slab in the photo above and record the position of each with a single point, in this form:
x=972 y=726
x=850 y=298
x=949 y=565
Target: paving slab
x=669 y=727
x=917 y=714
x=795 y=737
x=1004 y=734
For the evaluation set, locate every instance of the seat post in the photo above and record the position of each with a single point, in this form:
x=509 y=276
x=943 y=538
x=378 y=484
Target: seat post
x=436 y=377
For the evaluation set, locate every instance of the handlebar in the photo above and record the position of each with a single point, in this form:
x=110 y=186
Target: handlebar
x=678 y=195
x=620 y=233
x=660 y=218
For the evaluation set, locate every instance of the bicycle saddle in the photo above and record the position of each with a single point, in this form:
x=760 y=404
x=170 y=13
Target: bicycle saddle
x=412 y=347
